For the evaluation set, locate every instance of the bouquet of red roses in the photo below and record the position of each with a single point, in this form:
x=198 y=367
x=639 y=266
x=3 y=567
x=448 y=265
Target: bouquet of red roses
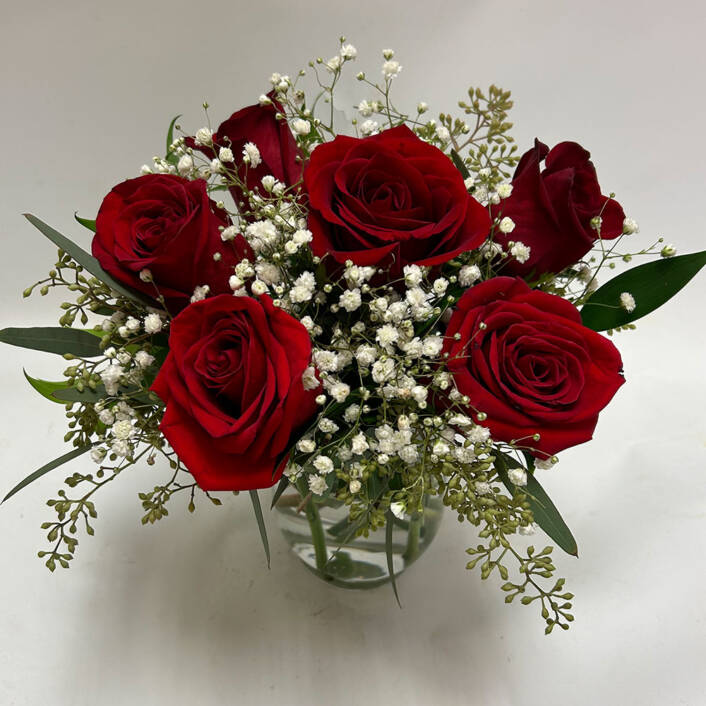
x=381 y=319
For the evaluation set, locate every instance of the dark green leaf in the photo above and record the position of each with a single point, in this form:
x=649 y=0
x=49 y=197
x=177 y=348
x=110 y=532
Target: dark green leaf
x=85 y=396
x=86 y=222
x=46 y=388
x=543 y=509
x=281 y=487
x=260 y=523
x=389 y=527
x=88 y=262
x=652 y=284
x=458 y=162
x=170 y=156
x=53 y=339
x=46 y=468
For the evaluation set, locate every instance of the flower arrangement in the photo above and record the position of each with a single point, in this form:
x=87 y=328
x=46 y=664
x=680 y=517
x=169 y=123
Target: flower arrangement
x=367 y=316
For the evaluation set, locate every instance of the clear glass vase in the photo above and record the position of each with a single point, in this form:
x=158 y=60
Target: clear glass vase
x=319 y=534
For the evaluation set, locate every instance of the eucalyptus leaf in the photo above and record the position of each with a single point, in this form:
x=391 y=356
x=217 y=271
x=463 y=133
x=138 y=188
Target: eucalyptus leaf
x=46 y=388
x=260 y=523
x=651 y=284
x=88 y=262
x=74 y=453
x=281 y=487
x=543 y=509
x=53 y=339
x=86 y=222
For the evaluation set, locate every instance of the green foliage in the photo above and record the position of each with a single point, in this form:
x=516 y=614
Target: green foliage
x=651 y=284
x=74 y=453
x=53 y=339
x=257 y=508
x=86 y=222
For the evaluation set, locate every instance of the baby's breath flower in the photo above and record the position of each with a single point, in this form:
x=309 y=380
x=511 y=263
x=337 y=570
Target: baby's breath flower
x=627 y=301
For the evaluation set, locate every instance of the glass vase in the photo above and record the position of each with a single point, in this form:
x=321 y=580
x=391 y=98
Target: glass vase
x=319 y=534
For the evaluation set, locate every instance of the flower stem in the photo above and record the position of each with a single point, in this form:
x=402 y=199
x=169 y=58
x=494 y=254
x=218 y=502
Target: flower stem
x=412 y=550
x=318 y=537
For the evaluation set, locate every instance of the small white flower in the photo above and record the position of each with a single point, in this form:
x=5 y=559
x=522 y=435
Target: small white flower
x=630 y=226
x=225 y=155
x=383 y=370
x=122 y=429
x=413 y=275
x=668 y=251
x=398 y=510
x=391 y=68
x=419 y=393
x=132 y=324
x=348 y=52
x=506 y=225
x=359 y=444
x=544 y=464
x=204 y=136
x=111 y=377
x=317 y=484
x=258 y=287
x=432 y=345
x=520 y=252
x=326 y=361
x=468 y=274
x=527 y=530
x=370 y=127
x=228 y=233
x=443 y=133
x=483 y=488
x=409 y=454
x=144 y=359
x=328 y=426
x=200 y=293
x=306 y=446
x=504 y=190
x=352 y=413
x=309 y=381
x=98 y=454
x=422 y=107
x=145 y=169
x=251 y=154
x=106 y=417
x=366 y=109
x=153 y=323
x=268 y=182
x=517 y=476
x=478 y=434
x=323 y=464
x=340 y=391
x=334 y=63
x=120 y=447
x=350 y=300
x=627 y=301
x=185 y=165
x=387 y=335
x=440 y=285
x=301 y=127
x=354 y=486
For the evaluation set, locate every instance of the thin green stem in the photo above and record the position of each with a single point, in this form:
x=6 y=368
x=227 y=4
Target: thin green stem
x=318 y=538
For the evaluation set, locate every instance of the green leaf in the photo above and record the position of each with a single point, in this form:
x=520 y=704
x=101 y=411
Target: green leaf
x=86 y=396
x=53 y=339
x=652 y=284
x=46 y=468
x=281 y=487
x=88 y=262
x=458 y=162
x=46 y=388
x=260 y=523
x=170 y=156
x=543 y=509
x=85 y=222
x=389 y=527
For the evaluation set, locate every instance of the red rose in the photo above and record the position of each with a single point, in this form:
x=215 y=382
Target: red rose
x=553 y=207
x=533 y=368
x=390 y=199
x=169 y=226
x=274 y=140
x=232 y=385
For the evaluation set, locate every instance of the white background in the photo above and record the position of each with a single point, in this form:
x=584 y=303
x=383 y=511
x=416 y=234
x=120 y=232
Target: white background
x=186 y=612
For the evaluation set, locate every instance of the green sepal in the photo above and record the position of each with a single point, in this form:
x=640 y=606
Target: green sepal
x=651 y=284
x=170 y=156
